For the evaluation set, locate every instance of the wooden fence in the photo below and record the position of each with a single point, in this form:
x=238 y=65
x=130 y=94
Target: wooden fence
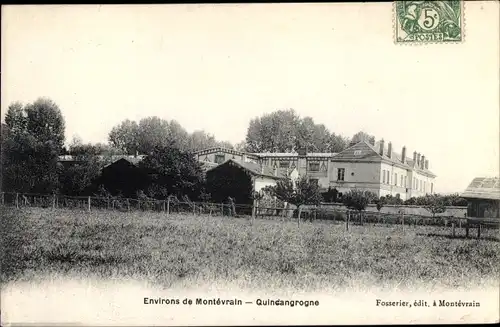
x=172 y=205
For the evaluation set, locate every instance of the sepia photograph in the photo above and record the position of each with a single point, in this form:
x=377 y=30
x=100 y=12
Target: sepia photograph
x=250 y=164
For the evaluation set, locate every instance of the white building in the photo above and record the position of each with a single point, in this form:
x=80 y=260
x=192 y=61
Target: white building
x=377 y=168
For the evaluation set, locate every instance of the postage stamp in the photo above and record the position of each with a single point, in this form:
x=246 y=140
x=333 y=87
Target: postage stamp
x=428 y=21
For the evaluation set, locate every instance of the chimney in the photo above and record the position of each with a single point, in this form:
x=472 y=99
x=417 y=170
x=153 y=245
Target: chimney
x=422 y=162
x=414 y=158
x=427 y=164
x=418 y=160
x=403 y=155
x=389 y=150
x=381 y=150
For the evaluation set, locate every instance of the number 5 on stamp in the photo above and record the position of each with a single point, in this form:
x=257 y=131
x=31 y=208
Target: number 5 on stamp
x=428 y=21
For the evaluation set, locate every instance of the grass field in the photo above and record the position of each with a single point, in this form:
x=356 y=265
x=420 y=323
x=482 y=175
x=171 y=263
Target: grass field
x=188 y=250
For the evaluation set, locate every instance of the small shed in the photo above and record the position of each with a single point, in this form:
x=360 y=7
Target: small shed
x=483 y=197
x=122 y=177
x=239 y=180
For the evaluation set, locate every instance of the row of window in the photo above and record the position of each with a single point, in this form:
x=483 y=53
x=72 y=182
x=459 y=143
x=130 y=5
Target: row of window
x=386 y=179
x=418 y=184
x=386 y=174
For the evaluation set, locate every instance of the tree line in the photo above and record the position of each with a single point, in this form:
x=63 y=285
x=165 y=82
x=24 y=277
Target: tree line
x=33 y=138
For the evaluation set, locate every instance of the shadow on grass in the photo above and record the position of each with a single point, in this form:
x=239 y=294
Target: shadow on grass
x=463 y=237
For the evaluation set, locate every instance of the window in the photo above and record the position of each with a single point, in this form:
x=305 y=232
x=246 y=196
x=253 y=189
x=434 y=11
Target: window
x=340 y=174
x=432 y=187
x=313 y=181
x=220 y=158
x=424 y=186
x=389 y=177
x=383 y=176
x=406 y=181
x=357 y=152
x=402 y=181
x=284 y=164
x=314 y=166
x=395 y=179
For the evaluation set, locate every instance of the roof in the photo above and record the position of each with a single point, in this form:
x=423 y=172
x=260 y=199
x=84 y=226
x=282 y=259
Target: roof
x=264 y=154
x=253 y=168
x=364 y=151
x=132 y=159
x=483 y=188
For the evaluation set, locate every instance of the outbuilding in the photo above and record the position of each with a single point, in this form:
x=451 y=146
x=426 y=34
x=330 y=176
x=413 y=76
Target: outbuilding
x=239 y=180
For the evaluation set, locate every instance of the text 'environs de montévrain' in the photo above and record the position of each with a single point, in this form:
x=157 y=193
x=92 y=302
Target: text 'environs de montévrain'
x=230 y=302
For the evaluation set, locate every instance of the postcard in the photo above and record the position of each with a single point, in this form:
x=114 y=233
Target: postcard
x=250 y=164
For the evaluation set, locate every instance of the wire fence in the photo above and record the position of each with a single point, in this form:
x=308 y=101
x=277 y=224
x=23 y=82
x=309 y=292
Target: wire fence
x=172 y=205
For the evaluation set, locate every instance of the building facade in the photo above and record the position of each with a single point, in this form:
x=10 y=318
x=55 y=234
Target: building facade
x=376 y=168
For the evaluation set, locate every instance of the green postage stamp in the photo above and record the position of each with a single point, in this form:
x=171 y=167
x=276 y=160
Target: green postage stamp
x=428 y=21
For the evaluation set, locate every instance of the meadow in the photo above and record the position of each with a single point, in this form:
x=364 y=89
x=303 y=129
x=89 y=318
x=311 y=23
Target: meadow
x=198 y=250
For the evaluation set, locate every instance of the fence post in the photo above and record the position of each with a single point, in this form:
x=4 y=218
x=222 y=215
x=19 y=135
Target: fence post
x=453 y=228
x=88 y=203
x=253 y=211
x=403 y=220
x=347 y=221
x=467 y=230
x=3 y=198
x=163 y=206
x=479 y=230
x=168 y=206
x=128 y=205
x=194 y=208
x=17 y=200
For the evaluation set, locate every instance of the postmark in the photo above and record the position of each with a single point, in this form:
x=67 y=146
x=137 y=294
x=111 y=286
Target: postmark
x=428 y=21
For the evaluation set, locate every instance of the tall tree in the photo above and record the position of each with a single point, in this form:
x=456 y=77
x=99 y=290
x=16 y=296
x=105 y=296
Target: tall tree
x=125 y=136
x=285 y=131
x=363 y=136
x=34 y=139
x=173 y=172
x=274 y=132
x=177 y=135
x=337 y=143
x=151 y=132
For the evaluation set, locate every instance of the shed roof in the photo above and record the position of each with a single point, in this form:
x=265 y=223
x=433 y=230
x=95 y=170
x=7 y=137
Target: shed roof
x=483 y=188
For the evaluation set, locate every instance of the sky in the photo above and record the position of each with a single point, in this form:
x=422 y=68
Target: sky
x=215 y=67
